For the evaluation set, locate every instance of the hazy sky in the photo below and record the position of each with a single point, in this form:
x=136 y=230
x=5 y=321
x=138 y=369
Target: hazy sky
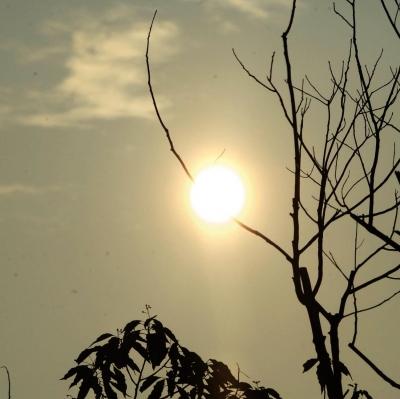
x=95 y=218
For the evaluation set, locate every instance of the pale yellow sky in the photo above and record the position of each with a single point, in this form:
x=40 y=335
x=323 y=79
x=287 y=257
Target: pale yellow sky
x=95 y=219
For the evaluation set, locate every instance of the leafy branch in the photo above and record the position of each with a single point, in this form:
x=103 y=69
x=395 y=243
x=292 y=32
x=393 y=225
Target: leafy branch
x=167 y=368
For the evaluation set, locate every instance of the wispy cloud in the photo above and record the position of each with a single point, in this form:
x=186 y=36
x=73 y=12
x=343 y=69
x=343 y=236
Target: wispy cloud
x=105 y=71
x=27 y=190
x=258 y=9
x=254 y=8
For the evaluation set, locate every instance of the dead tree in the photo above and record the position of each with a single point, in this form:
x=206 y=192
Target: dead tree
x=352 y=181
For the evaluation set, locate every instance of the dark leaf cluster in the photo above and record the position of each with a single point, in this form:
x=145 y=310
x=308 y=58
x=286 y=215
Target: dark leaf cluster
x=309 y=364
x=149 y=356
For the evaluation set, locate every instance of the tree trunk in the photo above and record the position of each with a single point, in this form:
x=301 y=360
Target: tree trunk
x=325 y=373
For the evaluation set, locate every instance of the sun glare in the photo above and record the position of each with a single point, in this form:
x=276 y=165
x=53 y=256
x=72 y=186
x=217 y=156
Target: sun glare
x=217 y=194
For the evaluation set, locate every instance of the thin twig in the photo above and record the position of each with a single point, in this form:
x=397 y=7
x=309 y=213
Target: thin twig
x=374 y=367
x=374 y=280
x=375 y=306
x=392 y=22
x=266 y=239
x=172 y=148
x=250 y=74
x=334 y=263
x=9 y=381
x=222 y=153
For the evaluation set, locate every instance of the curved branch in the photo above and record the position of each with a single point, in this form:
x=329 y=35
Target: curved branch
x=9 y=381
x=374 y=280
x=266 y=239
x=255 y=232
x=373 y=230
x=375 y=368
x=390 y=19
x=269 y=79
x=171 y=144
x=250 y=74
x=373 y=307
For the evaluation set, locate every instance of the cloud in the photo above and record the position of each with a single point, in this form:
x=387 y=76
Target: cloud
x=256 y=9
x=227 y=13
x=27 y=190
x=105 y=75
x=252 y=8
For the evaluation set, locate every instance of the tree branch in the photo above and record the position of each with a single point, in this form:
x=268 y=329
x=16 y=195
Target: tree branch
x=9 y=381
x=390 y=19
x=171 y=144
x=374 y=280
x=266 y=239
x=375 y=306
x=373 y=230
x=375 y=368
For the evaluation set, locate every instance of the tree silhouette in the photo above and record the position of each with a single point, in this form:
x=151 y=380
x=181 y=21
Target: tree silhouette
x=346 y=181
x=151 y=357
x=349 y=178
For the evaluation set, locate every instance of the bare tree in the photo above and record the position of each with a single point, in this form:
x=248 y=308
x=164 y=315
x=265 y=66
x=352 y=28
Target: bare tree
x=350 y=179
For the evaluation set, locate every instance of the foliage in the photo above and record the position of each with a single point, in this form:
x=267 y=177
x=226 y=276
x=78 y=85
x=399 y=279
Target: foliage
x=149 y=355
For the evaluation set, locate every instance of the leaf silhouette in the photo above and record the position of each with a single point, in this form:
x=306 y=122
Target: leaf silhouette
x=131 y=326
x=121 y=358
x=309 y=364
x=120 y=379
x=321 y=377
x=85 y=353
x=192 y=393
x=102 y=336
x=109 y=353
x=96 y=388
x=397 y=175
x=365 y=393
x=130 y=338
x=344 y=370
x=148 y=321
x=83 y=389
x=148 y=382
x=109 y=392
x=134 y=367
x=174 y=356
x=140 y=349
x=171 y=383
x=170 y=335
x=157 y=390
x=82 y=373
x=106 y=376
x=244 y=386
x=71 y=372
x=222 y=372
x=272 y=392
x=100 y=357
x=156 y=348
x=182 y=393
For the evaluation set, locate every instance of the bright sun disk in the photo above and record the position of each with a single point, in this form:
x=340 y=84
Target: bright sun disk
x=217 y=194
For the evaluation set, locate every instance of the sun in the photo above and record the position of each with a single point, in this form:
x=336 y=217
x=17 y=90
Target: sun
x=217 y=194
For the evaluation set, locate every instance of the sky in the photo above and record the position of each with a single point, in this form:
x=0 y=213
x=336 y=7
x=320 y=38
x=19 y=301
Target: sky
x=95 y=218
